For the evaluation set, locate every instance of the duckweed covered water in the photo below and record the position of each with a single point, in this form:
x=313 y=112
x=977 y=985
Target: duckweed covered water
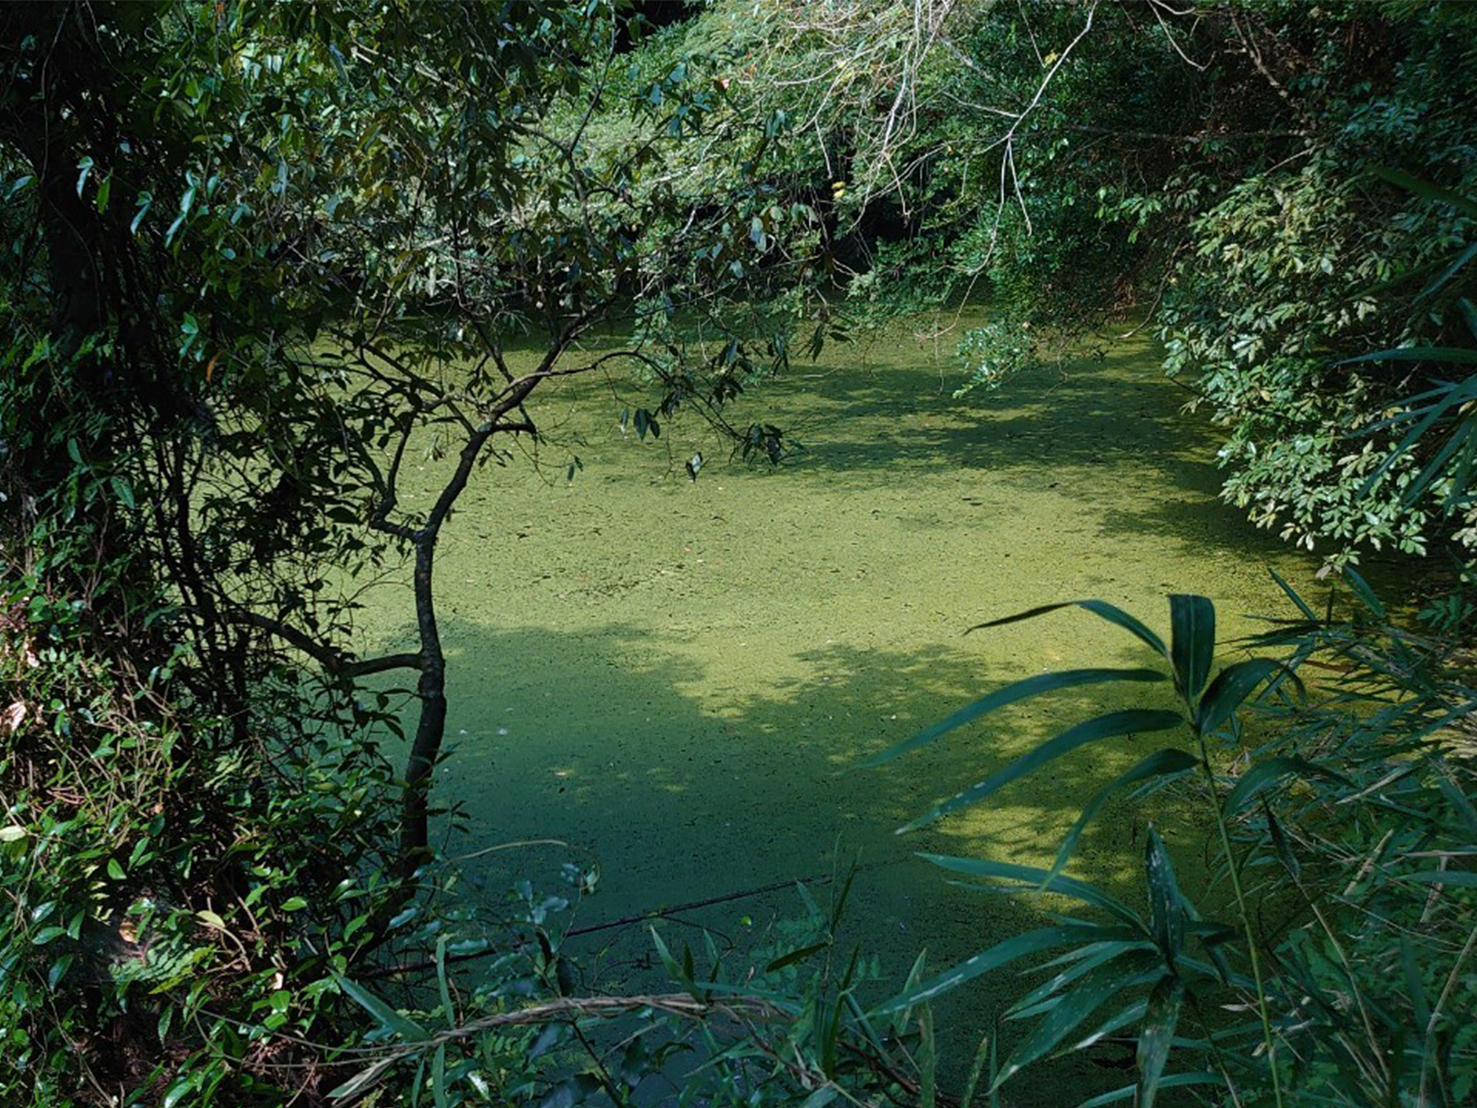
x=680 y=676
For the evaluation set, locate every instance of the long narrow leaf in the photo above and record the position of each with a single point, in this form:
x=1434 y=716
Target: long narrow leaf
x=1232 y=686
x=1018 y=946
x=1173 y=1081
x=1102 y=608
x=1020 y=690
x=1129 y=722
x=1157 y=1035
x=1268 y=772
x=1192 y=642
x=1041 y=880
x=1091 y=993
x=1166 y=905
x=1162 y=763
x=1459 y=354
x=1431 y=191
x=1450 y=271
x=403 y=1026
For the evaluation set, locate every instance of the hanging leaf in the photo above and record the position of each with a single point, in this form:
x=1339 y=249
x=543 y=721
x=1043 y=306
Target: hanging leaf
x=1101 y=608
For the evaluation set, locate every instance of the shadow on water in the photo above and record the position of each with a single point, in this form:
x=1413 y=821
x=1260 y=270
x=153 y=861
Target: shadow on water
x=680 y=677
x=601 y=738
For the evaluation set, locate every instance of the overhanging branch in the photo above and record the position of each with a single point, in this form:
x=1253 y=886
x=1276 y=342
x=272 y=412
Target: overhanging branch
x=333 y=661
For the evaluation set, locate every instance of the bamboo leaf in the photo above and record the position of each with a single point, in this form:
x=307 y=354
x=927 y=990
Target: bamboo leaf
x=403 y=1026
x=1232 y=686
x=1460 y=354
x=1269 y=771
x=1166 y=905
x=1463 y=878
x=1421 y=187
x=1162 y=763
x=1192 y=642
x=1041 y=880
x=1018 y=946
x=1020 y=690
x=1157 y=1035
x=1095 y=989
x=1173 y=1081
x=1129 y=722
x=1101 y=608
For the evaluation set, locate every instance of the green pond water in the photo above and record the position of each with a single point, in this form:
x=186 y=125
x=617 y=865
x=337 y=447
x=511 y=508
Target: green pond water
x=679 y=677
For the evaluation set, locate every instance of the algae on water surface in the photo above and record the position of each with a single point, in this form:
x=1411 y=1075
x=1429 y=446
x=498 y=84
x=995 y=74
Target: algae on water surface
x=680 y=676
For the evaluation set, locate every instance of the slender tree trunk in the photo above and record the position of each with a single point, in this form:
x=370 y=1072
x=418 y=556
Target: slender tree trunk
x=431 y=727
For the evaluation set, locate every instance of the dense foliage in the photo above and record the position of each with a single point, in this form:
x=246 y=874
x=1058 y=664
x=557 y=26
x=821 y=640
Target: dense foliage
x=1239 y=174
x=260 y=258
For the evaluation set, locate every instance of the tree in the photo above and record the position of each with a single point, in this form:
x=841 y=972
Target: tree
x=259 y=256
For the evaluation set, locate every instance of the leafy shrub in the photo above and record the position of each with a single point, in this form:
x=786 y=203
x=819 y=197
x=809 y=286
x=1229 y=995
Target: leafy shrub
x=1339 y=843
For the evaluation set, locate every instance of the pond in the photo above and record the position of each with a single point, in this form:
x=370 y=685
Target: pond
x=679 y=677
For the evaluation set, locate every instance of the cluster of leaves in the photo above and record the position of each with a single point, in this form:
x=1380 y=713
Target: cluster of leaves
x=1340 y=840
x=995 y=352
x=257 y=258
x=1229 y=186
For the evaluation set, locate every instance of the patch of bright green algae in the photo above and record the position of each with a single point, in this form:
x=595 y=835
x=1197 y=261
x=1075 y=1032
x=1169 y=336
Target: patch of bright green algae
x=681 y=676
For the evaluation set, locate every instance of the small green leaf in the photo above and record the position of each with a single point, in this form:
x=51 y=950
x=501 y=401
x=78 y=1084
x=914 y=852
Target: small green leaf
x=115 y=871
x=294 y=904
x=145 y=201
